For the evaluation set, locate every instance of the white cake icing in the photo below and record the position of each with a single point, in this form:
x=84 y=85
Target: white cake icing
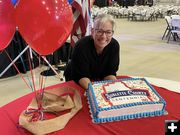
x=124 y=99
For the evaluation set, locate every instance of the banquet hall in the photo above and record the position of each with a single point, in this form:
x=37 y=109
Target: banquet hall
x=148 y=49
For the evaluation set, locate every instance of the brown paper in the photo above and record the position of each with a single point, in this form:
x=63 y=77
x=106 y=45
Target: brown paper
x=52 y=102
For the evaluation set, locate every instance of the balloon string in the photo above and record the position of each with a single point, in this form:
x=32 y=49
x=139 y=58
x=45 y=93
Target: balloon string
x=33 y=81
x=18 y=70
x=41 y=93
x=37 y=95
x=25 y=69
x=41 y=86
x=42 y=80
x=32 y=74
x=36 y=114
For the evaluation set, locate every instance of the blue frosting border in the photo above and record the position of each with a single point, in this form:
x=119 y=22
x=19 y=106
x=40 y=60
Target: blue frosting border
x=124 y=117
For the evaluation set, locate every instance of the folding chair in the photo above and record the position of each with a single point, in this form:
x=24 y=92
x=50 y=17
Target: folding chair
x=168 y=28
x=175 y=23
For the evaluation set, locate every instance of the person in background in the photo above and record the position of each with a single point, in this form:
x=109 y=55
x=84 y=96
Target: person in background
x=95 y=57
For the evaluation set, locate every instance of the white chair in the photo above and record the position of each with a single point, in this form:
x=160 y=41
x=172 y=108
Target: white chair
x=168 y=28
x=175 y=24
x=175 y=16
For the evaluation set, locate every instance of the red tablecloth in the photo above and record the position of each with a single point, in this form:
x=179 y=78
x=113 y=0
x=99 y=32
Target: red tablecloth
x=82 y=124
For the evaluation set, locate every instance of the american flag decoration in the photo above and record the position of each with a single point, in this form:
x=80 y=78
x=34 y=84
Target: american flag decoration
x=81 y=12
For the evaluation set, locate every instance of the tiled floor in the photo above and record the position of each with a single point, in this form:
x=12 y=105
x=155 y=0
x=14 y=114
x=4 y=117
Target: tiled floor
x=143 y=53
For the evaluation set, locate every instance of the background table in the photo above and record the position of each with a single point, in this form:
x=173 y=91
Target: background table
x=82 y=124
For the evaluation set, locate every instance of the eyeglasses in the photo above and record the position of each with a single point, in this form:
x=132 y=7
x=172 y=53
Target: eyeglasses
x=108 y=33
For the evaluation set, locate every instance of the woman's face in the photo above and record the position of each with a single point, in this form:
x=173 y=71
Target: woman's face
x=102 y=35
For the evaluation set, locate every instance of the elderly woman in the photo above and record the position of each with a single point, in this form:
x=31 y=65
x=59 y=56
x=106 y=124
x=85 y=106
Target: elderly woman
x=95 y=57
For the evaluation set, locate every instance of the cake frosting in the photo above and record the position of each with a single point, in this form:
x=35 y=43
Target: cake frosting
x=123 y=99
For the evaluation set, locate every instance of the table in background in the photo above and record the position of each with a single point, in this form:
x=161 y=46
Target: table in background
x=82 y=124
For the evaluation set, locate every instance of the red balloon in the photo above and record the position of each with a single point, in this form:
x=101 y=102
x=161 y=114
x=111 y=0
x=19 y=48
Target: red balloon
x=7 y=23
x=44 y=24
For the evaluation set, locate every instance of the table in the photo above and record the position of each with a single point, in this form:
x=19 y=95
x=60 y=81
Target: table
x=81 y=123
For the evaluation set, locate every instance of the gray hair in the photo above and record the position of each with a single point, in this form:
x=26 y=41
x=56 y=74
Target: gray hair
x=102 y=18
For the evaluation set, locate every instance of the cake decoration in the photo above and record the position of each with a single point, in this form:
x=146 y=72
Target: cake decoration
x=124 y=99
